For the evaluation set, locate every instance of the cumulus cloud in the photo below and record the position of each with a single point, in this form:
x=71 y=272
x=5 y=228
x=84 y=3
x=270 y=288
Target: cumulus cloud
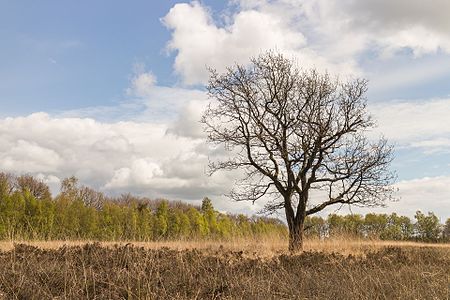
x=141 y=172
x=151 y=144
x=325 y=34
x=200 y=42
x=118 y=156
x=27 y=156
x=142 y=84
x=423 y=28
x=389 y=25
x=188 y=121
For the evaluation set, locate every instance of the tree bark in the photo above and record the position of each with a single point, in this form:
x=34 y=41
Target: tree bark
x=296 y=227
x=296 y=235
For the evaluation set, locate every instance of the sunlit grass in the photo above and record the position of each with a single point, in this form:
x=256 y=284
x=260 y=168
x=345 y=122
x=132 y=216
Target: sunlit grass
x=258 y=247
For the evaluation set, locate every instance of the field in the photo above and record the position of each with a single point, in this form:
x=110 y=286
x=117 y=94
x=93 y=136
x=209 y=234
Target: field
x=334 y=269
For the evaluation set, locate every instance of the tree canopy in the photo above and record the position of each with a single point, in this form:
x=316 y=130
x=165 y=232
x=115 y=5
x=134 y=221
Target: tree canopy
x=293 y=132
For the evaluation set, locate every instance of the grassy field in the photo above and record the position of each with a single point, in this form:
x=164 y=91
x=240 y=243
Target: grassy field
x=333 y=269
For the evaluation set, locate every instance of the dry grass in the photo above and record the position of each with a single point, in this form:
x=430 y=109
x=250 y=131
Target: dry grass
x=259 y=247
x=232 y=270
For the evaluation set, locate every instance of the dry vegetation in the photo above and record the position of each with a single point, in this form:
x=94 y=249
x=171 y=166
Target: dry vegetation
x=231 y=270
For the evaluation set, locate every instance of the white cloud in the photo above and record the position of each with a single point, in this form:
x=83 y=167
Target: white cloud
x=94 y=151
x=141 y=172
x=151 y=145
x=188 y=121
x=165 y=103
x=201 y=43
x=325 y=34
x=142 y=84
x=418 y=38
x=425 y=194
x=387 y=25
x=150 y=101
x=422 y=124
x=27 y=156
x=402 y=13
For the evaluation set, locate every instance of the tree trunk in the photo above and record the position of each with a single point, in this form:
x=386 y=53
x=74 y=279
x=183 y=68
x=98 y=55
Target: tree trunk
x=296 y=226
x=296 y=235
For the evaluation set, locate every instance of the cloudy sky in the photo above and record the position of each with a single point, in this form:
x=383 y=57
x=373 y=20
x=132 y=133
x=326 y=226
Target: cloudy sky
x=112 y=91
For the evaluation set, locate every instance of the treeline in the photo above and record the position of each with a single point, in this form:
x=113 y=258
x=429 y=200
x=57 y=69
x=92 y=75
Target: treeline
x=424 y=227
x=28 y=211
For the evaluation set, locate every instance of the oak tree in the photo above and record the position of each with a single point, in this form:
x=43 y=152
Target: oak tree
x=296 y=133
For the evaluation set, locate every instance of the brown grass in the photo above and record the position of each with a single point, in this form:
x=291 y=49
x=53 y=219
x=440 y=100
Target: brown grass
x=233 y=270
x=258 y=247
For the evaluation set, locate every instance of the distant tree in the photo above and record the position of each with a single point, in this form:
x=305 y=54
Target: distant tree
x=427 y=226
x=73 y=191
x=243 y=225
x=69 y=186
x=6 y=184
x=207 y=205
x=347 y=225
x=315 y=226
x=375 y=225
x=225 y=225
x=37 y=188
x=210 y=215
x=294 y=132
x=185 y=225
x=398 y=228
x=91 y=197
x=446 y=231
x=199 y=226
x=146 y=223
x=162 y=219
x=354 y=224
x=174 y=227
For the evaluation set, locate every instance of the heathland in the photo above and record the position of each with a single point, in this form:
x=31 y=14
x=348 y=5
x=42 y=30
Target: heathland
x=244 y=270
x=82 y=244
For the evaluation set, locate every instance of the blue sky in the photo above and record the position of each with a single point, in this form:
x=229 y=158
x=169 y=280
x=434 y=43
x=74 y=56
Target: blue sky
x=77 y=54
x=59 y=55
x=114 y=68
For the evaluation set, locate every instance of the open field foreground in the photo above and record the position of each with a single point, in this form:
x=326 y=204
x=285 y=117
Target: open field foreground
x=203 y=270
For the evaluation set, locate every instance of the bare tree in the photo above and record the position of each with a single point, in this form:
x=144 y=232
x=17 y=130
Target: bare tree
x=6 y=183
x=71 y=190
x=36 y=187
x=294 y=132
